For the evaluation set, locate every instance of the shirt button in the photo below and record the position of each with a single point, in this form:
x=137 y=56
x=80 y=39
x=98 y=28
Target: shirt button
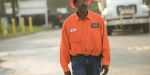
x=85 y=49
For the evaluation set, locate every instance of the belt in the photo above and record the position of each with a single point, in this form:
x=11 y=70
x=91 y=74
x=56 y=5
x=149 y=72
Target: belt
x=83 y=55
x=86 y=55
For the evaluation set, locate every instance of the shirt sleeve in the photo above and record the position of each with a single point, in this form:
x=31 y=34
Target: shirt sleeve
x=64 y=49
x=105 y=44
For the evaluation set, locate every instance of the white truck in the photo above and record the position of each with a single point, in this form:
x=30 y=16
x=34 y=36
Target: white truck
x=125 y=14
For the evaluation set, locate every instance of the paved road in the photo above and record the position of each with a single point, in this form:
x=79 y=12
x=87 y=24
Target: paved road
x=38 y=54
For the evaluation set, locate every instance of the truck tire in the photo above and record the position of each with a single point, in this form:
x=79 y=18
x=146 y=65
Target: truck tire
x=109 y=30
x=146 y=28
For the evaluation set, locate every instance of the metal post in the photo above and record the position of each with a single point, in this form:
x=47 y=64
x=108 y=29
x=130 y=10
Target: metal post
x=46 y=13
x=22 y=25
x=30 y=24
x=13 y=26
x=3 y=27
x=19 y=14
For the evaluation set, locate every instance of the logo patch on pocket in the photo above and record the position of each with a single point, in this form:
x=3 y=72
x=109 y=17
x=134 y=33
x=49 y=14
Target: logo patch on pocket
x=94 y=25
x=73 y=30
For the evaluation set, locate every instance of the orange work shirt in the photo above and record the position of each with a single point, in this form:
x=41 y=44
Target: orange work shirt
x=88 y=36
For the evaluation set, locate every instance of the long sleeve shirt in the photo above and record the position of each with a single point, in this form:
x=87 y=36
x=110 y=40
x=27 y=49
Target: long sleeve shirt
x=88 y=36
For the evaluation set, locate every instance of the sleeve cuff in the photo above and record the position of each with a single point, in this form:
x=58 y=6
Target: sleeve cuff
x=104 y=62
x=66 y=69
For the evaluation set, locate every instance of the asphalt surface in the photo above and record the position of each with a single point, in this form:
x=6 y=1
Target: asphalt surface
x=38 y=54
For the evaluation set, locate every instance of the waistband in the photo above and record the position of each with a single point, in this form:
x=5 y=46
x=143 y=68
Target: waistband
x=85 y=55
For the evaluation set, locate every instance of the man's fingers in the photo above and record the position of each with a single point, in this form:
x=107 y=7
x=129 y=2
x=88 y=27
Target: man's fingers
x=102 y=69
x=105 y=71
x=68 y=73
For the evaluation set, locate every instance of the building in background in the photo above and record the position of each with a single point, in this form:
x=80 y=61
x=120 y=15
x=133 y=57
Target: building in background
x=36 y=8
x=13 y=8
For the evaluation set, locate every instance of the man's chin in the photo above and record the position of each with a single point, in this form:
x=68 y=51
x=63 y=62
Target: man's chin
x=84 y=11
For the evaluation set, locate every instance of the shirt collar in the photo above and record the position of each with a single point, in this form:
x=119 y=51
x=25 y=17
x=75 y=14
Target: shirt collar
x=88 y=16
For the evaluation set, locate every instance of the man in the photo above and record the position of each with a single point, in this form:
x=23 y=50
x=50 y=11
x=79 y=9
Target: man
x=84 y=42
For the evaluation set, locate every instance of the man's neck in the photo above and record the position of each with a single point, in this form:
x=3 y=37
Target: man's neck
x=82 y=15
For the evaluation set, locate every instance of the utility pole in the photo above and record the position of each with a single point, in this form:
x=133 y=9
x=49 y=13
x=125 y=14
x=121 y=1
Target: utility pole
x=13 y=8
x=3 y=8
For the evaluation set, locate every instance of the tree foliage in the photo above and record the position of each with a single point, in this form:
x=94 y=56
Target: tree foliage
x=147 y=1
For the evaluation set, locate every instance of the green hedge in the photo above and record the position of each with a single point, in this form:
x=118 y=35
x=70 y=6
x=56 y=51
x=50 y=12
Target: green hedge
x=147 y=1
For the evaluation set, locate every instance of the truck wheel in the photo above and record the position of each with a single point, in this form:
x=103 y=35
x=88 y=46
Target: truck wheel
x=146 y=28
x=109 y=30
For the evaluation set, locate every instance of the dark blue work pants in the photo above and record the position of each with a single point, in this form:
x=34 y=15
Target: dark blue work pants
x=86 y=65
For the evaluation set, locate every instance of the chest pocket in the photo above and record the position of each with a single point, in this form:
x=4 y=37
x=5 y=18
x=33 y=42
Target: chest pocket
x=95 y=31
x=75 y=36
x=95 y=27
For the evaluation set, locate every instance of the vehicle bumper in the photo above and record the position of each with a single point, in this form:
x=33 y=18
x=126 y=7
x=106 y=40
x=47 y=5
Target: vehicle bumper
x=131 y=21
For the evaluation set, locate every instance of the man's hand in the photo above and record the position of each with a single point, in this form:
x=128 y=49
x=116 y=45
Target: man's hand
x=105 y=69
x=68 y=73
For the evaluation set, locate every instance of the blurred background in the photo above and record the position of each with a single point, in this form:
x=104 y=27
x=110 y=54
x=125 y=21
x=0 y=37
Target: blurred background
x=45 y=14
x=30 y=33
